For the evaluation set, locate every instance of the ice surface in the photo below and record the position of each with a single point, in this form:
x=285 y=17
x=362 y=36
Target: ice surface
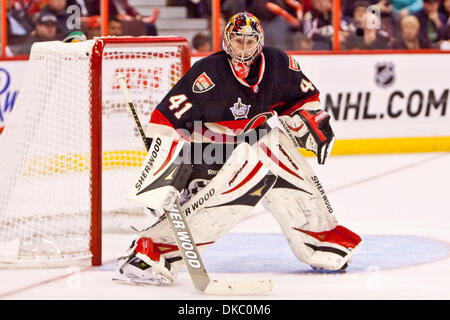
x=397 y=203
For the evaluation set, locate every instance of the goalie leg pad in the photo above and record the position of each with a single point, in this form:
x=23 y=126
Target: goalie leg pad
x=313 y=239
x=162 y=176
x=300 y=205
x=225 y=200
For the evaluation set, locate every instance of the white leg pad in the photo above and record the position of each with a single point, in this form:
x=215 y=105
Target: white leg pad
x=299 y=203
x=221 y=204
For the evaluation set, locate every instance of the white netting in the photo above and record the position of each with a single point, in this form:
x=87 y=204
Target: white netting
x=45 y=147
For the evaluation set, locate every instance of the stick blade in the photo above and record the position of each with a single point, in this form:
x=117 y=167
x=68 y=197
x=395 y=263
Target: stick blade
x=235 y=288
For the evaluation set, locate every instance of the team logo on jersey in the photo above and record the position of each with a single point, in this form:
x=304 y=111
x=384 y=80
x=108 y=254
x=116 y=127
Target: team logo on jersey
x=293 y=64
x=240 y=110
x=202 y=84
x=384 y=74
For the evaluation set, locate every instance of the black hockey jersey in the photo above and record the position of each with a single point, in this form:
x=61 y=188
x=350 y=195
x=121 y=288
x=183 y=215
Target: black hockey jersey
x=211 y=97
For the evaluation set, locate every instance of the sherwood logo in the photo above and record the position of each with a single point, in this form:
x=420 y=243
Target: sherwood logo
x=322 y=193
x=199 y=202
x=149 y=165
x=186 y=241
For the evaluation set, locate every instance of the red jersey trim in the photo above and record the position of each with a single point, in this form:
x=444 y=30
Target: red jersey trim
x=158 y=118
x=260 y=76
x=300 y=104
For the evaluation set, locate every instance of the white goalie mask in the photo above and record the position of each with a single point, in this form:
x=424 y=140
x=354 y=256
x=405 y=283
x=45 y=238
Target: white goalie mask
x=243 y=38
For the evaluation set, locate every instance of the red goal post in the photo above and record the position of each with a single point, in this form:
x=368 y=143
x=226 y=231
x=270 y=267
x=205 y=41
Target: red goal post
x=96 y=144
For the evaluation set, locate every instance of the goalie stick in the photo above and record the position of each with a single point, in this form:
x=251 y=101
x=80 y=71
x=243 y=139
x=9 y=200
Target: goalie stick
x=186 y=244
x=121 y=80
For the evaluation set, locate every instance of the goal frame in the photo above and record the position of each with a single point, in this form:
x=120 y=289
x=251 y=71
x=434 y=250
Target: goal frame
x=96 y=123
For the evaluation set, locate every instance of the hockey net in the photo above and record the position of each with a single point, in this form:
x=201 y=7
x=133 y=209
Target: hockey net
x=70 y=150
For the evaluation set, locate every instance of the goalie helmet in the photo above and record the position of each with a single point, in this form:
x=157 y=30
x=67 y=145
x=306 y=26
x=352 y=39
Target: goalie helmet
x=243 y=38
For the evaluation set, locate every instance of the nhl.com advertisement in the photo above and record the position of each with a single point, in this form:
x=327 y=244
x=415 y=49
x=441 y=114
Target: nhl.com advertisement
x=383 y=96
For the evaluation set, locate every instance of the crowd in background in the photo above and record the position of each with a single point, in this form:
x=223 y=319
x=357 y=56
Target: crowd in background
x=365 y=24
x=29 y=21
x=288 y=24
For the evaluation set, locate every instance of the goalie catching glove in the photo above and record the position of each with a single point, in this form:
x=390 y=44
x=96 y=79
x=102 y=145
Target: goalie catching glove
x=310 y=129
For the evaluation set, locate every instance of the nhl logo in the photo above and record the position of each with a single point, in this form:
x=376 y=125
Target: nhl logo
x=240 y=110
x=384 y=74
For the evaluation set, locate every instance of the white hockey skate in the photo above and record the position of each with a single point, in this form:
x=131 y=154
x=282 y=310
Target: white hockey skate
x=144 y=265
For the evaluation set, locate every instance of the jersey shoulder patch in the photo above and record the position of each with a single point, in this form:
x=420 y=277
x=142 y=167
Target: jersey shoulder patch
x=202 y=84
x=293 y=64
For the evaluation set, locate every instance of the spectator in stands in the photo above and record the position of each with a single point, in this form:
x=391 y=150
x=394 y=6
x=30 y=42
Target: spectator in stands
x=230 y=7
x=32 y=7
x=318 y=24
x=198 y=8
x=93 y=27
x=403 y=8
x=46 y=30
x=368 y=36
x=355 y=20
x=81 y=4
x=383 y=9
x=201 y=43
x=18 y=21
x=348 y=6
x=409 y=35
x=301 y=42
x=433 y=24
x=277 y=31
x=115 y=27
x=58 y=9
x=445 y=9
x=307 y=5
x=122 y=10
x=388 y=20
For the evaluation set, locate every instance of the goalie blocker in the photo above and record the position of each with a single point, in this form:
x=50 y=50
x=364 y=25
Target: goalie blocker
x=271 y=171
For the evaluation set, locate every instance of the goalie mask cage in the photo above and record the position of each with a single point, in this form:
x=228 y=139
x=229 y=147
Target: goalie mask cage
x=70 y=150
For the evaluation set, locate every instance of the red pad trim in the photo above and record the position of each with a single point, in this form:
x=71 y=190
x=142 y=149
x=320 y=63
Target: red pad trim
x=277 y=161
x=148 y=248
x=172 y=150
x=339 y=235
x=247 y=178
x=165 y=248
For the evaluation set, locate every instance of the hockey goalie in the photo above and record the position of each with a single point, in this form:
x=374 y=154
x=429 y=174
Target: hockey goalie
x=211 y=147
